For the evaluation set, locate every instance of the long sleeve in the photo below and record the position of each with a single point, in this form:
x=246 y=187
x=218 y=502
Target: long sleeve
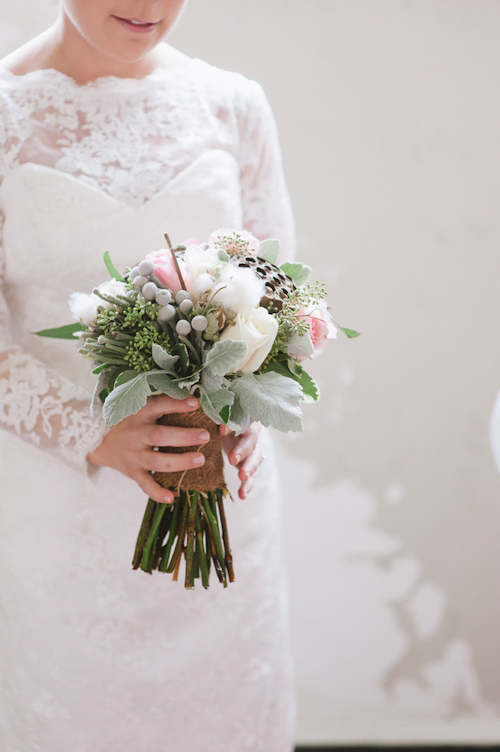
x=39 y=405
x=266 y=203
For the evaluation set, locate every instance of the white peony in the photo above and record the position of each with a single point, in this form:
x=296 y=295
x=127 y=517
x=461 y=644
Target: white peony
x=258 y=328
x=237 y=288
x=84 y=307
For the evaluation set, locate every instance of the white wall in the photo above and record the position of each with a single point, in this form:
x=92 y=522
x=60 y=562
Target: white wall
x=390 y=121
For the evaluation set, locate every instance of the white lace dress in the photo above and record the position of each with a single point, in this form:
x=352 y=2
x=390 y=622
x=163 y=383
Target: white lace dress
x=93 y=656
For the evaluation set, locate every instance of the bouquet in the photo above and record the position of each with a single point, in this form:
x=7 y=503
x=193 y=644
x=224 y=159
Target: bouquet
x=219 y=320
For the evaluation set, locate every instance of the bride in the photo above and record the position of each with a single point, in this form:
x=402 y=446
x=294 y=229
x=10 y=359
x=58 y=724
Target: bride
x=108 y=138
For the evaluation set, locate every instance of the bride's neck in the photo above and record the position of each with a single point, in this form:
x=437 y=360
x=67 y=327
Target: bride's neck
x=62 y=47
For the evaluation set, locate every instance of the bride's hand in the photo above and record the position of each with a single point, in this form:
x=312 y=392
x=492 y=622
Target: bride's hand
x=244 y=452
x=128 y=446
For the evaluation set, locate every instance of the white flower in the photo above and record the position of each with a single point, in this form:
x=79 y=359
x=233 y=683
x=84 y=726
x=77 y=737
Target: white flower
x=84 y=307
x=258 y=328
x=202 y=266
x=237 y=288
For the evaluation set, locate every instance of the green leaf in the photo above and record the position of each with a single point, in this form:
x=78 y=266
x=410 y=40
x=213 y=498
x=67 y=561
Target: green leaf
x=225 y=355
x=102 y=395
x=269 y=250
x=213 y=402
x=182 y=351
x=63 y=332
x=224 y=413
x=308 y=384
x=113 y=272
x=223 y=255
x=270 y=399
x=122 y=377
x=297 y=271
x=102 y=367
x=164 y=360
x=350 y=332
x=162 y=382
x=126 y=399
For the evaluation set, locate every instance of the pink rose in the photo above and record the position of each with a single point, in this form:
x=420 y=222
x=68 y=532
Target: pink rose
x=321 y=327
x=166 y=272
x=223 y=238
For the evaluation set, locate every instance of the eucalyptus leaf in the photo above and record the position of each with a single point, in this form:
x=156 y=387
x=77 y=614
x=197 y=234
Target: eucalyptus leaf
x=67 y=331
x=300 y=273
x=269 y=250
x=162 y=382
x=271 y=399
x=164 y=360
x=213 y=402
x=126 y=399
x=113 y=272
x=225 y=355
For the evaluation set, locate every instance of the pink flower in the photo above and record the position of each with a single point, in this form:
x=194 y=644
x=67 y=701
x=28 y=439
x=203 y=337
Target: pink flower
x=321 y=327
x=192 y=241
x=233 y=241
x=166 y=272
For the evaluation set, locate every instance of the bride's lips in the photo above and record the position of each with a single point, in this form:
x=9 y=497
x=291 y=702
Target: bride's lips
x=136 y=25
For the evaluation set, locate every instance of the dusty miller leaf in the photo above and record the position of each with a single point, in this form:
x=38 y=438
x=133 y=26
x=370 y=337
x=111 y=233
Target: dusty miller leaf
x=163 y=382
x=269 y=250
x=210 y=381
x=271 y=399
x=225 y=355
x=164 y=360
x=298 y=272
x=126 y=400
x=300 y=345
x=213 y=402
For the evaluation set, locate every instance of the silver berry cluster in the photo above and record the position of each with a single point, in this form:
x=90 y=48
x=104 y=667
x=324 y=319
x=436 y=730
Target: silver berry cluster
x=174 y=311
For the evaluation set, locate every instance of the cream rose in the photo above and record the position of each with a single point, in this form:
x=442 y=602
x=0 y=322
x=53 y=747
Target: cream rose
x=258 y=328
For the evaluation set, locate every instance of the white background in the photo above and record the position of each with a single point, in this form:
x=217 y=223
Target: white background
x=389 y=117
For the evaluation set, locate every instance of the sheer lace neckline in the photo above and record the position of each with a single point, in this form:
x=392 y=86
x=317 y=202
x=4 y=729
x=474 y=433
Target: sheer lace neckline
x=158 y=73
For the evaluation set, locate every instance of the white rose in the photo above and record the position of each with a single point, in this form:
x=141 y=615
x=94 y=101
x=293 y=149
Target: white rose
x=258 y=328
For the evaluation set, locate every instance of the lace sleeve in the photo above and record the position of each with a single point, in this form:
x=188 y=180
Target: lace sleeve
x=39 y=405
x=266 y=204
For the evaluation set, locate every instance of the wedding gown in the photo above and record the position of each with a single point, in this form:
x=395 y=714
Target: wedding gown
x=95 y=657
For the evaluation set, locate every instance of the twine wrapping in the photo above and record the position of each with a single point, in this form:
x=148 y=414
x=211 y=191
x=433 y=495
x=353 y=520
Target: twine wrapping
x=208 y=477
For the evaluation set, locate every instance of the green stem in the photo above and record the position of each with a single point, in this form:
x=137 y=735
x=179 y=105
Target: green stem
x=152 y=538
x=173 y=530
x=202 y=559
x=225 y=536
x=143 y=532
x=215 y=538
x=182 y=531
x=191 y=525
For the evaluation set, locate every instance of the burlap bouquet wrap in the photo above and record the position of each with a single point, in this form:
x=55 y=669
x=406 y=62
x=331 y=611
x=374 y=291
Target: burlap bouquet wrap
x=208 y=477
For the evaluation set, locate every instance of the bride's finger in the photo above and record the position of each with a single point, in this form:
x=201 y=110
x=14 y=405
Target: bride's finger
x=165 y=462
x=152 y=489
x=245 y=445
x=161 y=405
x=250 y=465
x=165 y=436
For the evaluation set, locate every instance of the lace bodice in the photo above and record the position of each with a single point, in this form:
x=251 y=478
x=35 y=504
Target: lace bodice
x=129 y=140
